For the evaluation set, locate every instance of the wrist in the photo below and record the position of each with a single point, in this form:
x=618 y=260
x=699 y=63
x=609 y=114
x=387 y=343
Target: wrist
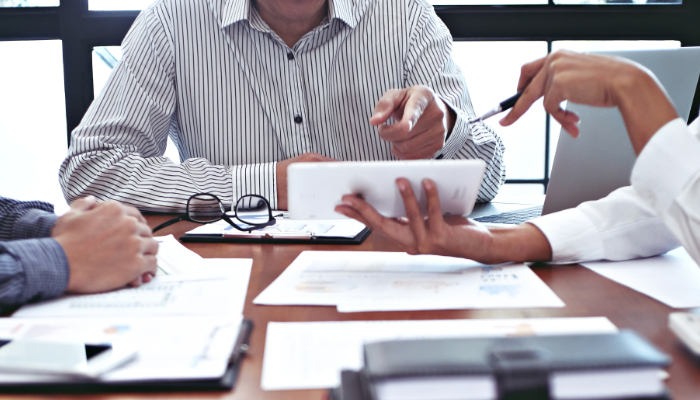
x=643 y=104
x=521 y=243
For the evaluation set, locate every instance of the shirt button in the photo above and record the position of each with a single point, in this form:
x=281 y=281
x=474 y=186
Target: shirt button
x=298 y=119
x=290 y=56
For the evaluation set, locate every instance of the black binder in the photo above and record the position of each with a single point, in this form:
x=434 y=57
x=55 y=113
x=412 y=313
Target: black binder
x=358 y=239
x=225 y=382
x=520 y=365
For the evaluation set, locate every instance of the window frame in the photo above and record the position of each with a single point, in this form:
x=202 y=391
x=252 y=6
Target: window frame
x=80 y=30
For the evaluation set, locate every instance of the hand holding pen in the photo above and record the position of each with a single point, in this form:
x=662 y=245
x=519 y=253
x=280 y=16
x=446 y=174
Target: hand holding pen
x=597 y=81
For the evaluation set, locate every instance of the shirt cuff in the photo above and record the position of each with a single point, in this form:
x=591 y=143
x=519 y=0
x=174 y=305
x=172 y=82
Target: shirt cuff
x=666 y=164
x=34 y=224
x=259 y=179
x=572 y=236
x=45 y=267
x=459 y=136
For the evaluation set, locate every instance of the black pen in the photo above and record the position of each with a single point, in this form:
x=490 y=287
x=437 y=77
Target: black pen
x=506 y=104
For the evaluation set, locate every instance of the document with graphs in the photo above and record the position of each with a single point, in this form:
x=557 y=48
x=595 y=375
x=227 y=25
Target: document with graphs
x=222 y=293
x=383 y=281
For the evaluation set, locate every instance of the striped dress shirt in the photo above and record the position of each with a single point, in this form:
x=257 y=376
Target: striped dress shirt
x=33 y=265
x=235 y=99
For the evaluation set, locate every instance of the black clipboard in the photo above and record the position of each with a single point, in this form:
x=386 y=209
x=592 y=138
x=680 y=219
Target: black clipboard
x=358 y=239
x=226 y=382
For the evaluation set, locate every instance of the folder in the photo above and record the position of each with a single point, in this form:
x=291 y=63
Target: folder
x=225 y=382
x=607 y=366
x=285 y=231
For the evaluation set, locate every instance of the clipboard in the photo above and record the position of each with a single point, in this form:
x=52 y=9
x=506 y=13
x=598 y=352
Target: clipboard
x=226 y=382
x=299 y=239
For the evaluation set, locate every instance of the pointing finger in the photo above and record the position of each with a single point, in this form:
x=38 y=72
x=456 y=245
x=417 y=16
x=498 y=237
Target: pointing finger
x=390 y=102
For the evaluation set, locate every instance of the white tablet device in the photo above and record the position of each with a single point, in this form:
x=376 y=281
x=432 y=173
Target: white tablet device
x=314 y=189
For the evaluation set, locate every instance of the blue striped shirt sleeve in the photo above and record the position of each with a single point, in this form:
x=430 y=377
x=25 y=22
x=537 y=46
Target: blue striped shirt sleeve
x=33 y=266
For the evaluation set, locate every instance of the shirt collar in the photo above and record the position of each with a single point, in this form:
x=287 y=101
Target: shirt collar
x=233 y=11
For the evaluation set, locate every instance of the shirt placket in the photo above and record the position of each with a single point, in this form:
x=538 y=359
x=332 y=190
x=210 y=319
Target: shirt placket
x=296 y=104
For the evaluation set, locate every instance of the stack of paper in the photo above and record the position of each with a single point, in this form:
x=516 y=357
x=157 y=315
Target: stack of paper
x=380 y=281
x=194 y=308
x=169 y=348
x=310 y=355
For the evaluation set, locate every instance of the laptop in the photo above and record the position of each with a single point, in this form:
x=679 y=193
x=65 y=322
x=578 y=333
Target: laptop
x=601 y=159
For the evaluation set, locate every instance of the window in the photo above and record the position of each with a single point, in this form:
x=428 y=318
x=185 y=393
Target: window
x=491 y=80
x=28 y=3
x=32 y=148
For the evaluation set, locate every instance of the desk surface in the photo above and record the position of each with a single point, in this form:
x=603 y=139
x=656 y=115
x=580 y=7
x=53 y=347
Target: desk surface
x=585 y=293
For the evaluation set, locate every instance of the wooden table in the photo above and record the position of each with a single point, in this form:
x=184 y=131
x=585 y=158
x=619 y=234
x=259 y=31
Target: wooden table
x=585 y=293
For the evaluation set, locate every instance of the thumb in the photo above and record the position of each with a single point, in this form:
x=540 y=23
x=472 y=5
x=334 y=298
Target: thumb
x=413 y=110
x=84 y=204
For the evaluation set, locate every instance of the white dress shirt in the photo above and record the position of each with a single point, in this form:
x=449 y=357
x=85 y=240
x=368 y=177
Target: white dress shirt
x=236 y=99
x=657 y=213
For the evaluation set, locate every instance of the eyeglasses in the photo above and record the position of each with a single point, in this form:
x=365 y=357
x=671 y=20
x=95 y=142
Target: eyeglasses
x=252 y=211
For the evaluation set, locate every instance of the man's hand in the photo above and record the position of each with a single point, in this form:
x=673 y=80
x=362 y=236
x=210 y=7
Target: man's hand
x=108 y=245
x=594 y=81
x=281 y=172
x=423 y=122
x=433 y=235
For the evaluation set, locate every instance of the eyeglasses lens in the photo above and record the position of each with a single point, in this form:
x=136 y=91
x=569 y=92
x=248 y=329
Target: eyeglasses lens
x=253 y=210
x=204 y=208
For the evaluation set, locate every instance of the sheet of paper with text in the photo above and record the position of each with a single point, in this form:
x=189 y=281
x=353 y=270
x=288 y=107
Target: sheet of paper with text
x=383 y=281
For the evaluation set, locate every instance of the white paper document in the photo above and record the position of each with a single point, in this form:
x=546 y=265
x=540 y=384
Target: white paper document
x=168 y=348
x=187 y=294
x=381 y=281
x=174 y=258
x=310 y=355
x=672 y=278
x=341 y=228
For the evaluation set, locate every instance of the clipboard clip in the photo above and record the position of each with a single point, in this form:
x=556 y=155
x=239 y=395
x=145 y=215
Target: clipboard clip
x=240 y=348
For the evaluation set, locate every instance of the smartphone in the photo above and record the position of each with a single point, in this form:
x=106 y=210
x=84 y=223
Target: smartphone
x=77 y=359
x=686 y=325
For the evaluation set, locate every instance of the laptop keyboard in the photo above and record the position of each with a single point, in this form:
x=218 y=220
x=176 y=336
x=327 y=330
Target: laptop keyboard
x=512 y=217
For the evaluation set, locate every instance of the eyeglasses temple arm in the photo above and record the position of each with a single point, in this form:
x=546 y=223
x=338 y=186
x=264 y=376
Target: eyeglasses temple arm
x=168 y=223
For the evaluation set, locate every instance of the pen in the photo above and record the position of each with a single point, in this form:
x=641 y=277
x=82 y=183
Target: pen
x=503 y=106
